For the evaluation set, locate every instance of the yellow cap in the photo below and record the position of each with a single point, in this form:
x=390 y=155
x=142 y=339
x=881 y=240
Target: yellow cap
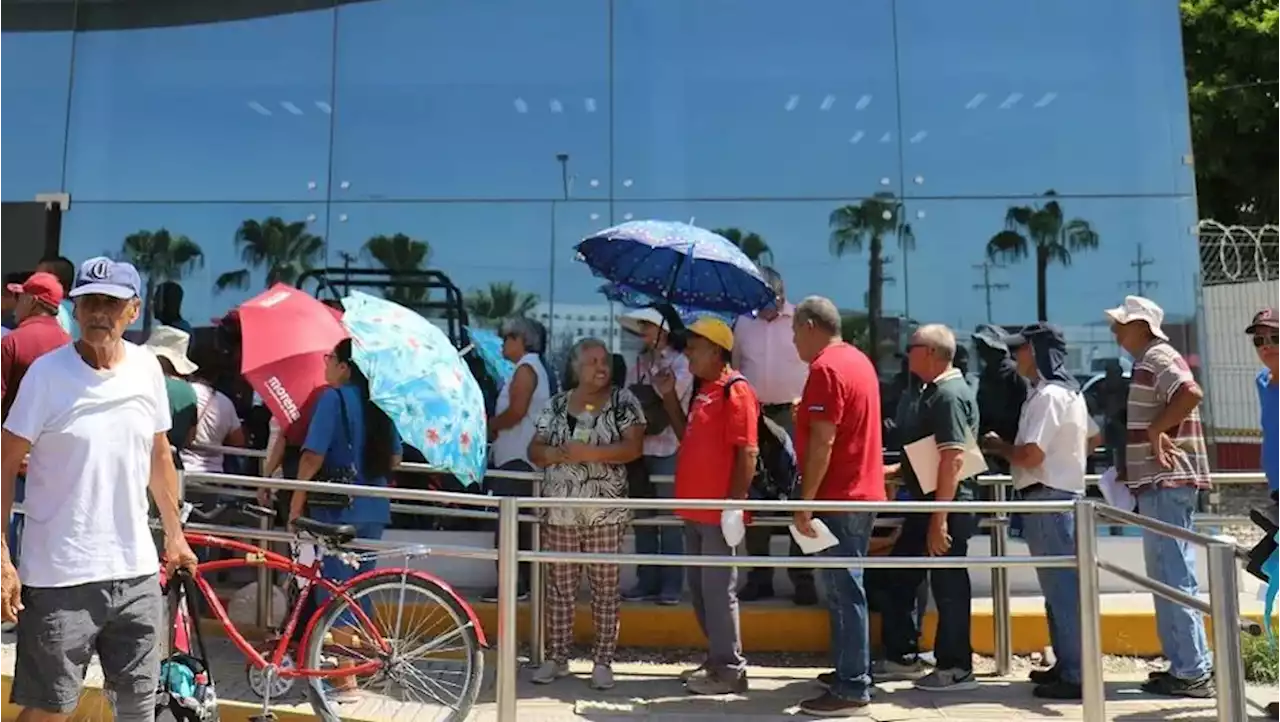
x=714 y=330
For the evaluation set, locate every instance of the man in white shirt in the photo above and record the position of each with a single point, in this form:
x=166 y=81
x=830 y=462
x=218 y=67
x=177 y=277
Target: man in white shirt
x=1047 y=460
x=765 y=353
x=93 y=415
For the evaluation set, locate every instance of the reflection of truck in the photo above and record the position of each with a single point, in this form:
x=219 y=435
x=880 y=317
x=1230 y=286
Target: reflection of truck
x=432 y=294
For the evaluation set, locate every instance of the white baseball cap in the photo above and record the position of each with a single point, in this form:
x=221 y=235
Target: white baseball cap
x=632 y=320
x=1137 y=308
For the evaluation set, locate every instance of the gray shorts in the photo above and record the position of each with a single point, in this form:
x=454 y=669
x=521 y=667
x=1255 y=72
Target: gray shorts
x=61 y=628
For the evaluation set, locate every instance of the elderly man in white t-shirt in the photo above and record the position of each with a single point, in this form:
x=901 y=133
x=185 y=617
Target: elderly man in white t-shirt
x=93 y=416
x=765 y=353
x=1047 y=460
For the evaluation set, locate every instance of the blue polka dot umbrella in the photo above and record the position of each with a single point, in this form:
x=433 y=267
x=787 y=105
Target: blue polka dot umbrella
x=681 y=264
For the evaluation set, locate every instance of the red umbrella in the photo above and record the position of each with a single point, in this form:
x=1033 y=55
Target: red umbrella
x=285 y=335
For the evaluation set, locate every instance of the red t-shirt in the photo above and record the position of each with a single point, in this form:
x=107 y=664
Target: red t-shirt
x=718 y=426
x=33 y=338
x=843 y=389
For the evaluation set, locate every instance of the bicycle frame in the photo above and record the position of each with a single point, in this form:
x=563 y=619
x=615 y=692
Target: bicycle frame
x=256 y=557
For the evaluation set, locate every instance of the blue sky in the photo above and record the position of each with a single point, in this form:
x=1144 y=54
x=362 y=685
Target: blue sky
x=442 y=120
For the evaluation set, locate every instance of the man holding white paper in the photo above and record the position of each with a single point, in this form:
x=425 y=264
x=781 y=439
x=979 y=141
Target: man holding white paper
x=945 y=409
x=838 y=448
x=1047 y=459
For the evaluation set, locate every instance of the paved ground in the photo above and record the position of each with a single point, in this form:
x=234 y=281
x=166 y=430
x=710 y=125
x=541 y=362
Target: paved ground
x=650 y=692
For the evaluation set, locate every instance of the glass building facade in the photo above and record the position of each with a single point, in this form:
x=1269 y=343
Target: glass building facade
x=500 y=132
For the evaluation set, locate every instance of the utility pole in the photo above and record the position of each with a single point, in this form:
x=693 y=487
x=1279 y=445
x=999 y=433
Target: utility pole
x=1140 y=283
x=987 y=285
x=347 y=258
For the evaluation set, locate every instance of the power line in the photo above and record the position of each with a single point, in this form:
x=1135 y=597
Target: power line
x=987 y=285
x=1140 y=283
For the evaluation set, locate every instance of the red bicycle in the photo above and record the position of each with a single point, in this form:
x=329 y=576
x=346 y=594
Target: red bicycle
x=360 y=647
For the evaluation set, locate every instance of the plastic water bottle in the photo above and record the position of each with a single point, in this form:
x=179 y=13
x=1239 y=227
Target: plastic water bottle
x=586 y=422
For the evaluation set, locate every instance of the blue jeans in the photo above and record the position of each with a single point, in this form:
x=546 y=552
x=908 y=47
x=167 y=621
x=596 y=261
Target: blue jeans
x=662 y=581
x=1055 y=535
x=847 y=604
x=1173 y=562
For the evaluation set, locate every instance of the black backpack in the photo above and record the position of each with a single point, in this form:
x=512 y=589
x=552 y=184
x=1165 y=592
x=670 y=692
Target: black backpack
x=776 y=468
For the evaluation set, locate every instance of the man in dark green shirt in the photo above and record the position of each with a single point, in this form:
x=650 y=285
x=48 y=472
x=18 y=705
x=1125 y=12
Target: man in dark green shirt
x=942 y=406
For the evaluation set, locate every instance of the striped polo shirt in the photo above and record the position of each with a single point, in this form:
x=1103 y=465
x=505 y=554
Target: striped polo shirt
x=1157 y=375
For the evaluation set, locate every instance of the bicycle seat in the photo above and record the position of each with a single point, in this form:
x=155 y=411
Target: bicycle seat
x=333 y=533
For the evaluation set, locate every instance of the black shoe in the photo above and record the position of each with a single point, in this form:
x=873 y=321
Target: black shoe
x=1045 y=676
x=492 y=596
x=752 y=592
x=829 y=705
x=826 y=679
x=1273 y=710
x=1057 y=689
x=1167 y=685
x=806 y=595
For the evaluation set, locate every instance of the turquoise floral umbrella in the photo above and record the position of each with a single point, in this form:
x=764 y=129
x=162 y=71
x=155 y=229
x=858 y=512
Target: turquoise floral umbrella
x=417 y=378
x=489 y=346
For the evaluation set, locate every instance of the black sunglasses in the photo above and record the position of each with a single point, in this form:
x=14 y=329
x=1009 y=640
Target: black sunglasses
x=1267 y=339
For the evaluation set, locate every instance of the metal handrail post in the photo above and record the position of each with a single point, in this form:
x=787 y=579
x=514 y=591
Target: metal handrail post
x=537 y=593
x=1228 y=659
x=1000 y=591
x=1093 y=692
x=508 y=581
x=265 y=584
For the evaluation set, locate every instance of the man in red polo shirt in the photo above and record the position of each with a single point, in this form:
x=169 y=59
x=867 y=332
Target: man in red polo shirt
x=838 y=449
x=37 y=333
x=717 y=460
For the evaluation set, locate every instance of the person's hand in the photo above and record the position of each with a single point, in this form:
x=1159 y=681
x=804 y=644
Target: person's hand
x=576 y=453
x=1162 y=448
x=990 y=439
x=938 y=541
x=178 y=555
x=803 y=521
x=664 y=382
x=264 y=497
x=892 y=471
x=22 y=470
x=10 y=590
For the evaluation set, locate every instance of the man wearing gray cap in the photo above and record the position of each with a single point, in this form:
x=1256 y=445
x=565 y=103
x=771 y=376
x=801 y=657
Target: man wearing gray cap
x=94 y=416
x=1168 y=465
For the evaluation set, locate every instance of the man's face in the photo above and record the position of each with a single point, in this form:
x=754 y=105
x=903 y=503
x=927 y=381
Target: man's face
x=704 y=357
x=104 y=318
x=1265 y=343
x=24 y=307
x=919 y=358
x=1025 y=360
x=1126 y=334
x=802 y=335
x=650 y=333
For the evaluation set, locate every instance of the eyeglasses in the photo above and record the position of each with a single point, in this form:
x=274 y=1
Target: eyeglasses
x=1269 y=339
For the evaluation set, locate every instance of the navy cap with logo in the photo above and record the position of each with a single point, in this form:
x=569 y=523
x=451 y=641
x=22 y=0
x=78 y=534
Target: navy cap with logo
x=105 y=277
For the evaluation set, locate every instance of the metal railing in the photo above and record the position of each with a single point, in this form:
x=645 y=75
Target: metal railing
x=1223 y=584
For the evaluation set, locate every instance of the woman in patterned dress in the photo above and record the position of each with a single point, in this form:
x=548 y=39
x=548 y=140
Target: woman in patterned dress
x=584 y=439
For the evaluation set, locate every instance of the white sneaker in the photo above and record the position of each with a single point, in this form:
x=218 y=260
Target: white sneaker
x=602 y=677
x=549 y=672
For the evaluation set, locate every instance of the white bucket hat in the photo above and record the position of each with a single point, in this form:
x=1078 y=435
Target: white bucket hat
x=632 y=320
x=171 y=343
x=1137 y=308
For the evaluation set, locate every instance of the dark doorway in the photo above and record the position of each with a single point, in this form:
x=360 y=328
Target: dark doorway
x=29 y=231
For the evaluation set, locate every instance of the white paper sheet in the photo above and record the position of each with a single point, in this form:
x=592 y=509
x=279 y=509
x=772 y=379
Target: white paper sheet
x=924 y=458
x=1115 y=492
x=814 y=544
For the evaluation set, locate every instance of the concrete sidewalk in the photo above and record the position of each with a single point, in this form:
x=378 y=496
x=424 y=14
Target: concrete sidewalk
x=652 y=692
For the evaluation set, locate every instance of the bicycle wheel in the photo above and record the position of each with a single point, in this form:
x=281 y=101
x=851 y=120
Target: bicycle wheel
x=435 y=665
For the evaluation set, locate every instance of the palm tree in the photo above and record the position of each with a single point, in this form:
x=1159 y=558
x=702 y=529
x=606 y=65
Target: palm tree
x=501 y=300
x=285 y=250
x=751 y=244
x=866 y=224
x=1044 y=231
x=159 y=256
x=400 y=254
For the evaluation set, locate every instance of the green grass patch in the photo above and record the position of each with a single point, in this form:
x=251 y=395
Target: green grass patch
x=1259 y=659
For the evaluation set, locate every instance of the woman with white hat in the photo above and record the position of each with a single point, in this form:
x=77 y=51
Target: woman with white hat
x=169 y=345
x=661 y=584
